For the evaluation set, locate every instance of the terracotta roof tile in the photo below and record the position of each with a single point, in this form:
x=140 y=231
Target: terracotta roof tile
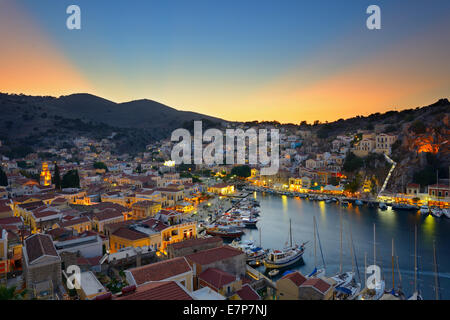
x=39 y=245
x=163 y=290
x=209 y=256
x=319 y=284
x=295 y=277
x=160 y=270
x=216 y=277
x=248 y=293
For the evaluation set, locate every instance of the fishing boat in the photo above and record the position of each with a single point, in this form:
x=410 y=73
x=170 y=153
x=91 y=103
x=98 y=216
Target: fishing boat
x=359 y=203
x=250 y=222
x=403 y=206
x=344 y=203
x=274 y=272
x=382 y=206
x=285 y=257
x=435 y=211
x=424 y=210
x=224 y=231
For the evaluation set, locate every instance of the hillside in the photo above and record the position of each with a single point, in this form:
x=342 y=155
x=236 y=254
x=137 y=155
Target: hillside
x=29 y=121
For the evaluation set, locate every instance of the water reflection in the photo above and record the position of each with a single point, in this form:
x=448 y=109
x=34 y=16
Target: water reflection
x=389 y=224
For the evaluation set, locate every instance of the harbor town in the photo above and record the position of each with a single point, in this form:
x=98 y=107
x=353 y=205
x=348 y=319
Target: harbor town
x=137 y=227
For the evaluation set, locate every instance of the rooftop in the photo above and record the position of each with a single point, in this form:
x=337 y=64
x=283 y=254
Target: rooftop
x=160 y=270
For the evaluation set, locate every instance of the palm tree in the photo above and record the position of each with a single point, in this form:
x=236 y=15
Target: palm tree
x=11 y=293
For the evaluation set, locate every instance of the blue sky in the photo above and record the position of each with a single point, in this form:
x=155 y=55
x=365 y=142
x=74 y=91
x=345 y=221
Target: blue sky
x=217 y=56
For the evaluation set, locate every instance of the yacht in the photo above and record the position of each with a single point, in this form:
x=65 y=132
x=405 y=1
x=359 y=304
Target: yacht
x=285 y=257
x=224 y=231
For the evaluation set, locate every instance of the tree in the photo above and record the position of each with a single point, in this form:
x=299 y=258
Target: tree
x=3 y=178
x=241 y=171
x=56 y=179
x=352 y=163
x=100 y=165
x=71 y=180
x=11 y=293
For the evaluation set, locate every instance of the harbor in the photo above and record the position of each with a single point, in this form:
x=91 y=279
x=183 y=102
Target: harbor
x=286 y=220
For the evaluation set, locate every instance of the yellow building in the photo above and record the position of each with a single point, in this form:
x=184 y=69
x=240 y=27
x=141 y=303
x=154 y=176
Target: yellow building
x=145 y=209
x=46 y=177
x=151 y=233
x=222 y=188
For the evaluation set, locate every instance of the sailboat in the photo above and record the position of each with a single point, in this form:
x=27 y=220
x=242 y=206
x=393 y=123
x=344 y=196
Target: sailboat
x=377 y=292
x=317 y=273
x=286 y=256
x=342 y=278
x=393 y=294
x=416 y=295
x=350 y=290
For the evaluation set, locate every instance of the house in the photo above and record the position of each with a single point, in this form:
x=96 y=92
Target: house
x=295 y=286
x=439 y=190
x=125 y=237
x=89 y=286
x=80 y=224
x=288 y=286
x=43 y=218
x=246 y=293
x=176 y=269
x=220 y=281
x=384 y=143
x=224 y=258
x=222 y=188
x=41 y=267
x=159 y=290
x=413 y=189
x=186 y=247
x=99 y=220
x=144 y=209
x=315 y=289
x=5 y=208
x=4 y=263
x=88 y=246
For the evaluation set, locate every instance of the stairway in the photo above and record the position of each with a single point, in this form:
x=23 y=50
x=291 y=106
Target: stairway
x=389 y=173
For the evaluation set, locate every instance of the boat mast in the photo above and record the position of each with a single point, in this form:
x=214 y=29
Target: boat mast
x=399 y=276
x=340 y=254
x=374 y=246
x=393 y=277
x=415 y=258
x=365 y=268
x=315 y=257
x=290 y=233
x=436 y=277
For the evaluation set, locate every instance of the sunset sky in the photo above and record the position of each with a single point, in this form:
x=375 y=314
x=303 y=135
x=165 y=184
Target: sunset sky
x=235 y=59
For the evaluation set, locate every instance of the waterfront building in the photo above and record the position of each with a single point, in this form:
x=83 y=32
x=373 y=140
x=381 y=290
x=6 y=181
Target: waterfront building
x=222 y=189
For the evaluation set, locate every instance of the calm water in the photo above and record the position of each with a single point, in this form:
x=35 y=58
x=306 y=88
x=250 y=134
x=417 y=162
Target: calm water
x=274 y=224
